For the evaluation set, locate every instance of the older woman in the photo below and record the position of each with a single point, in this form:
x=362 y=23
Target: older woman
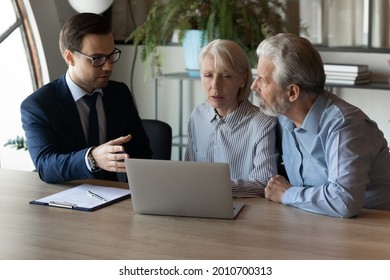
x=228 y=127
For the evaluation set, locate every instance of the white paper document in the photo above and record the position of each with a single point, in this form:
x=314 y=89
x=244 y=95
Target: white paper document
x=84 y=197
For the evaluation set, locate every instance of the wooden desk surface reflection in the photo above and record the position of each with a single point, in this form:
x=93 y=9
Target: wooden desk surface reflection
x=263 y=230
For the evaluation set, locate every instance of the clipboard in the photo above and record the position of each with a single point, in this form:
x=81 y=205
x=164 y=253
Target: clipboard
x=84 y=197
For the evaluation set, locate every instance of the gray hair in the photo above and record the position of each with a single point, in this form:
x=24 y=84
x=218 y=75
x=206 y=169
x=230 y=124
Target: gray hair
x=296 y=62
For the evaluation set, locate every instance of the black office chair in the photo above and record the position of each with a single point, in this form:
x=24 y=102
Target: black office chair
x=160 y=137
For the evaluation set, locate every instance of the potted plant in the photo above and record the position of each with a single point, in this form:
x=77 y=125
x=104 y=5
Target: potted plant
x=247 y=22
x=18 y=143
x=14 y=155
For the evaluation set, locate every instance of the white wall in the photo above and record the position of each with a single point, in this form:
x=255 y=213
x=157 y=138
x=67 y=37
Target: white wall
x=50 y=16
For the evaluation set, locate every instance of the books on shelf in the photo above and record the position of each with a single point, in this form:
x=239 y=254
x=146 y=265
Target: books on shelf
x=346 y=74
x=362 y=78
x=347 y=82
x=345 y=68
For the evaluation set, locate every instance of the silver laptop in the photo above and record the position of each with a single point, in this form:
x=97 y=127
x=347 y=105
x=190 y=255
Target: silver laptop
x=181 y=188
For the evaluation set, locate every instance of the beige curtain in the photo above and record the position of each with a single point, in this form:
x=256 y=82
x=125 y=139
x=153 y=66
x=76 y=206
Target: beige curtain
x=311 y=14
x=344 y=23
x=334 y=22
x=381 y=23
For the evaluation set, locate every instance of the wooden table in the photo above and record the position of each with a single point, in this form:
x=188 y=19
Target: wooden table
x=263 y=230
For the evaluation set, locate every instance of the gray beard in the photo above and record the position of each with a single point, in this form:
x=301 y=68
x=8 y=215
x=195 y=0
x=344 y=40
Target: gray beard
x=263 y=106
x=281 y=108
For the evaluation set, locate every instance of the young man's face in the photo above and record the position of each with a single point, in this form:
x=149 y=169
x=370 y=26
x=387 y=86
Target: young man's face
x=82 y=72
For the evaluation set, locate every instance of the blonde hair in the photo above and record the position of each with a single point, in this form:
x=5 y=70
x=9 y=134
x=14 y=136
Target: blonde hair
x=230 y=57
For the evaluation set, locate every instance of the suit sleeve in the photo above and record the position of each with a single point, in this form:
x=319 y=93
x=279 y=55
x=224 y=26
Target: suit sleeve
x=51 y=147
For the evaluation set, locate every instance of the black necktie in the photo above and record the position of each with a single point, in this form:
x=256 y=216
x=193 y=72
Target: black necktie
x=93 y=136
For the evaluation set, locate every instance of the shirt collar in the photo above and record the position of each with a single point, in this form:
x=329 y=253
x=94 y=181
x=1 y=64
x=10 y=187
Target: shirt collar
x=313 y=117
x=211 y=114
x=233 y=119
x=76 y=91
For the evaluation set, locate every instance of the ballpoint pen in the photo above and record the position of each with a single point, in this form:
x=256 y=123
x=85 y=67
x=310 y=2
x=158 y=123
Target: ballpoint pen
x=96 y=196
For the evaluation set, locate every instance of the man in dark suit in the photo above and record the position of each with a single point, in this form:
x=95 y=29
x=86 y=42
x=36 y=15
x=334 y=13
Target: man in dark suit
x=68 y=138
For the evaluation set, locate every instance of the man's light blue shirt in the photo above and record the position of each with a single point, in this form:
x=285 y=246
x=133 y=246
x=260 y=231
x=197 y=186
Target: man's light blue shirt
x=338 y=161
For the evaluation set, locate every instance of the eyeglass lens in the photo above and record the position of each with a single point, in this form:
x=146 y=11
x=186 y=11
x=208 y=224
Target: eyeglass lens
x=100 y=60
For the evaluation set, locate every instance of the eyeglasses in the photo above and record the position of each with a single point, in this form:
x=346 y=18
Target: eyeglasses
x=100 y=60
